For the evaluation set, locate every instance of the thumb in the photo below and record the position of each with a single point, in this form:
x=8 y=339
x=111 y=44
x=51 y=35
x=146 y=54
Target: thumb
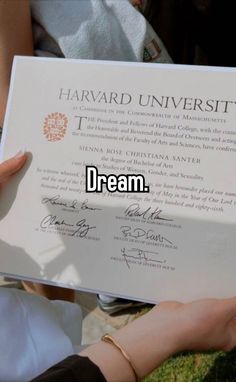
x=12 y=165
x=230 y=307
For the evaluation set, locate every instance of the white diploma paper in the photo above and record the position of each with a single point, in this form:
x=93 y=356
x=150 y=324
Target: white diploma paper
x=175 y=125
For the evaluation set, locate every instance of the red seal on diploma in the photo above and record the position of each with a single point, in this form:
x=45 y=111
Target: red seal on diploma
x=55 y=125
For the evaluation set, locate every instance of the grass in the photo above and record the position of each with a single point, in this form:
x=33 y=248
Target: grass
x=196 y=367
x=208 y=367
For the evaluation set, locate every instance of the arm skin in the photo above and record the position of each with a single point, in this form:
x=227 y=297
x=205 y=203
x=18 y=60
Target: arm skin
x=167 y=329
x=15 y=39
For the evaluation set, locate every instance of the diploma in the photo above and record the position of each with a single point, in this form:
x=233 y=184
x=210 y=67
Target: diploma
x=130 y=187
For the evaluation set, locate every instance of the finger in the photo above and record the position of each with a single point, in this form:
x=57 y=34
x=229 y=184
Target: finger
x=12 y=165
x=229 y=305
x=232 y=306
x=232 y=343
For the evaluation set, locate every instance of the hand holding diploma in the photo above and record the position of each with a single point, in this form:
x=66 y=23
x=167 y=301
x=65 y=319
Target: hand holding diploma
x=11 y=166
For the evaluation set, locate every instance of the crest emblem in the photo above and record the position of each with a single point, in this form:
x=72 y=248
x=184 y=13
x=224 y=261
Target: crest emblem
x=55 y=125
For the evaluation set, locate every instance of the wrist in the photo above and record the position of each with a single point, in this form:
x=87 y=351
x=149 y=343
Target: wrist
x=172 y=330
x=151 y=339
x=148 y=341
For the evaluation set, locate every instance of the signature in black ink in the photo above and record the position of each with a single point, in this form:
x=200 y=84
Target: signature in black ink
x=134 y=210
x=52 y=220
x=81 y=226
x=140 y=255
x=85 y=206
x=137 y=233
x=57 y=201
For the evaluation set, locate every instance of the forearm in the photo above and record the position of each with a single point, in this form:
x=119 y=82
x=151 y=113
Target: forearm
x=15 y=39
x=167 y=329
x=148 y=341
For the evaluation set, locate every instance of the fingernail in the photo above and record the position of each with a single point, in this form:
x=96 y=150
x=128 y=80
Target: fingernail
x=19 y=154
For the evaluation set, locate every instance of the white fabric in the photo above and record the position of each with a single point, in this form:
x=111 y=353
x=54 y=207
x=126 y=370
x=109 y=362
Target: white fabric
x=35 y=333
x=107 y=299
x=92 y=29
